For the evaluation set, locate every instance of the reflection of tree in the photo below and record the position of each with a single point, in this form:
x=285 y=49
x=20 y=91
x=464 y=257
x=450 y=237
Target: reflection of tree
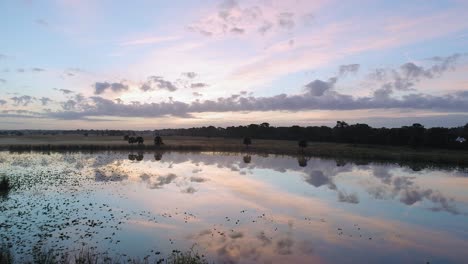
x=136 y=157
x=302 y=160
x=139 y=156
x=340 y=163
x=247 y=159
x=158 y=156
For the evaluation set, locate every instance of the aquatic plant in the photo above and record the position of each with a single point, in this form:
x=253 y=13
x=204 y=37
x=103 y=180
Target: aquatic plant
x=5 y=255
x=187 y=257
x=5 y=184
x=86 y=256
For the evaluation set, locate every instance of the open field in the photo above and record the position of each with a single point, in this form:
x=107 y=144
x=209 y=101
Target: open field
x=333 y=150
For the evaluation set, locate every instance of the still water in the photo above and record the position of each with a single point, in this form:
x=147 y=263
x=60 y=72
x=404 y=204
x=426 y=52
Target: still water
x=234 y=208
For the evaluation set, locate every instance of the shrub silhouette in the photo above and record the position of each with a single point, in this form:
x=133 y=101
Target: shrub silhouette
x=302 y=144
x=247 y=159
x=158 y=141
x=247 y=141
x=139 y=140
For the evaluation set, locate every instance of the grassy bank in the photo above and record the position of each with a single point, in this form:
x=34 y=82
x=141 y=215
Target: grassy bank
x=350 y=152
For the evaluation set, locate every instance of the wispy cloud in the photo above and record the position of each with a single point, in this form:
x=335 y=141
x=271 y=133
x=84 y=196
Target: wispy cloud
x=149 y=40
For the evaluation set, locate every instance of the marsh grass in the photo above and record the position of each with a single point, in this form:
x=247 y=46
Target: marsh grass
x=86 y=256
x=5 y=185
x=5 y=255
x=277 y=147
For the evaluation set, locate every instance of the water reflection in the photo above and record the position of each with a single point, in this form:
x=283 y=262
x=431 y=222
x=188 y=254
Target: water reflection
x=302 y=161
x=158 y=156
x=258 y=209
x=136 y=157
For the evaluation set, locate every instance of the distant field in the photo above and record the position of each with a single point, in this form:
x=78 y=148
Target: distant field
x=332 y=150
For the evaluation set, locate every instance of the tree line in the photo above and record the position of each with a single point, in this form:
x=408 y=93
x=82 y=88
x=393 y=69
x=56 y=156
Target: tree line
x=415 y=135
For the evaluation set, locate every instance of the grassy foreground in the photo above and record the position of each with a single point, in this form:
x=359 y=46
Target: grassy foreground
x=280 y=147
x=90 y=257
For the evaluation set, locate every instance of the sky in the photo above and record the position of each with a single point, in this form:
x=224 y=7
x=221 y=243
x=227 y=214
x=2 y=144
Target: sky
x=70 y=64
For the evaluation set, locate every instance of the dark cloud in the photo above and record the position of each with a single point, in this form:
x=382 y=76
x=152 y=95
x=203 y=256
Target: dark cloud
x=101 y=87
x=329 y=100
x=189 y=190
x=64 y=91
x=413 y=195
x=265 y=27
x=197 y=94
x=190 y=75
x=408 y=74
x=69 y=105
x=348 y=198
x=319 y=87
x=3 y=56
x=3 y=102
x=163 y=180
x=37 y=69
x=2 y=81
x=45 y=100
x=317 y=178
x=197 y=179
x=284 y=246
x=24 y=100
x=318 y=95
x=163 y=84
x=286 y=20
x=146 y=87
x=237 y=30
x=236 y=235
x=263 y=238
x=21 y=70
x=350 y=68
x=198 y=85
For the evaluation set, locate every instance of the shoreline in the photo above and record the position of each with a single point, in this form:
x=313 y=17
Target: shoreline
x=356 y=152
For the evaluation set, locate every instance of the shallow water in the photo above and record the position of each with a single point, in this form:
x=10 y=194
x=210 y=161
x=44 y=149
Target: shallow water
x=234 y=208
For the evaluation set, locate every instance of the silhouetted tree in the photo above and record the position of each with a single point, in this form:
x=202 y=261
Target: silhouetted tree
x=247 y=141
x=131 y=140
x=126 y=137
x=302 y=144
x=158 y=141
x=140 y=140
x=416 y=132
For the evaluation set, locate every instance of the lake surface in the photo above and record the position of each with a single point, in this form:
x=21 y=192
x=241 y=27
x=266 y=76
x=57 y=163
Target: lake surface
x=234 y=208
